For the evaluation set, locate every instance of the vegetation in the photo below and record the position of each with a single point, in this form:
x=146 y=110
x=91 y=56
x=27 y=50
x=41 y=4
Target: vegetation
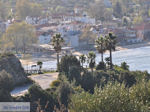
x=25 y=8
x=82 y=59
x=91 y=60
x=6 y=85
x=57 y=42
x=39 y=63
x=110 y=45
x=18 y=37
x=101 y=46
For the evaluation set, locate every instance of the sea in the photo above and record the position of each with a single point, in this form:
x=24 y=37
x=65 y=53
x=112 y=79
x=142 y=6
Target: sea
x=137 y=59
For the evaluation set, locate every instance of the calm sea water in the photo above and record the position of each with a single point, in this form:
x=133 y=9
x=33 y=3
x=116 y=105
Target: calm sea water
x=137 y=59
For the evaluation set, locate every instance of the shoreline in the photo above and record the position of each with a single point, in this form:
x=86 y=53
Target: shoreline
x=78 y=53
x=133 y=46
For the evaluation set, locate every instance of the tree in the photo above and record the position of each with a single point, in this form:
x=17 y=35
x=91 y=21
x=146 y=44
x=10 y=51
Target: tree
x=82 y=59
x=124 y=66
x=75 y=74
x=100 y=46
x=110 y=45
x=91 y=58
x=67 y=62
x=26 y=8
x=57 y=42
x=39 y=63
x=64 y=91
x=19 y=36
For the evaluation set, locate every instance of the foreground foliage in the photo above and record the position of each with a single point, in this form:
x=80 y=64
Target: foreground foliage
x=114 y=97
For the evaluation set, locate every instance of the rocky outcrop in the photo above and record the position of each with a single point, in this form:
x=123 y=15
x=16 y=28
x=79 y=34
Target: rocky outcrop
x=11 y=64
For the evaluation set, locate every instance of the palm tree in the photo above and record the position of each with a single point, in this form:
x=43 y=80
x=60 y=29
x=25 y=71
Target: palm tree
x=57 y=42
x=82 y=59
x=111 y=45
x=100 y=46
x=39 y=63
x=91 y=59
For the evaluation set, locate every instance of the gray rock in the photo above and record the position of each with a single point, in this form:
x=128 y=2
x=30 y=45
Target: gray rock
x=11 y=64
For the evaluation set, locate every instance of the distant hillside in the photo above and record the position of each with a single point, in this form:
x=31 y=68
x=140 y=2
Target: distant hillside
x=11 y=64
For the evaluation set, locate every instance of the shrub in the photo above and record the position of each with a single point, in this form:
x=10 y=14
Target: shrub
x=112 y=98
x=101 y=66
x=74 y=74
x=64 y=92
x=5 y=96
x=128 y=78
x=67 y=62
x=6 y=81
x=36 y=93
x=55 y=83
x=124 y=66
x=87 y=82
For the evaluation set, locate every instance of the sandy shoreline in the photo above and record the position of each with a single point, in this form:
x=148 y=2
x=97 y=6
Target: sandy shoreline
x=78 y=53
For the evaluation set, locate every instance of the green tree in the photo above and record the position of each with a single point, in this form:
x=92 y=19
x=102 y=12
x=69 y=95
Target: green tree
x=91 y=59
x=124 y=66
x=19 y=36
x=57 y=42
x=110 y=45
x=82 y=59
x=100 y=46
x=39 y=63
x=67 y=62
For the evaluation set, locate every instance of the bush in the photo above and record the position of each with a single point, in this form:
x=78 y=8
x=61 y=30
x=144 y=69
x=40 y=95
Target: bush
x=36 y=93
x=55 y=83
x=5 y=96
x=6 y=81
x=74 y=74
x=67 y=62
x=64 y=92
x=141 y=92
x=101 y=66
x=112 y=98
x=128 y=78
x=101 y=78
x=87 y=82
x=124 y=66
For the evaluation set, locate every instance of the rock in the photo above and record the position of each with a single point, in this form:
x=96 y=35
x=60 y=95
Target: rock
x=11 y=64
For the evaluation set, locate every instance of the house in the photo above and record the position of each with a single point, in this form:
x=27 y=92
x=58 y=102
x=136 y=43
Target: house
x=143 y=31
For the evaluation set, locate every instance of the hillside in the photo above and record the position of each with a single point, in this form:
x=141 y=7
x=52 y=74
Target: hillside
x=12 y=65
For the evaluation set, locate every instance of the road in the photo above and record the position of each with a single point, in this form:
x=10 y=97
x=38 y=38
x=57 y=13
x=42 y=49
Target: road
x=44 y=80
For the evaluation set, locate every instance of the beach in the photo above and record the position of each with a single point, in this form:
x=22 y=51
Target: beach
x=33 y=61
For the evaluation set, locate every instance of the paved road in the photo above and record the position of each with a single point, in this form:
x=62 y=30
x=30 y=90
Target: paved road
x=44 y=80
